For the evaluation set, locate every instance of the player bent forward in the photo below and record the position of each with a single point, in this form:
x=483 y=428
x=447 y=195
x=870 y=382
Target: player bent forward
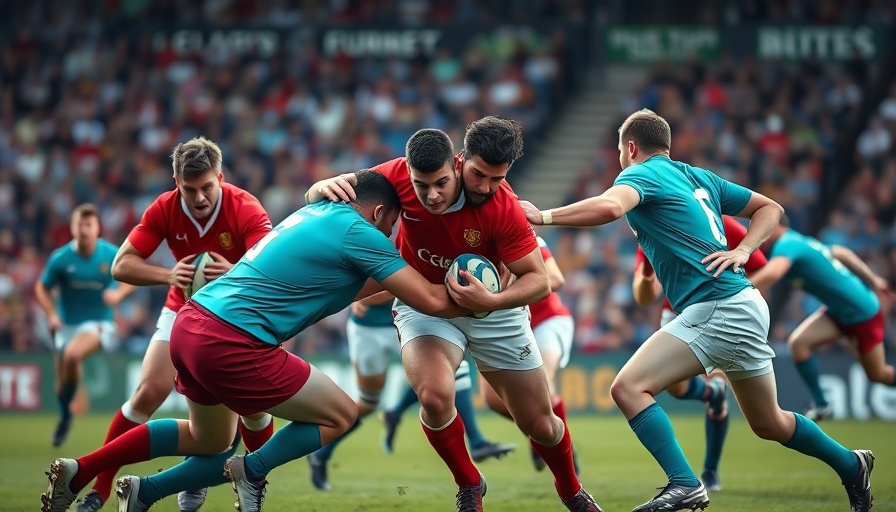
x=225 y=345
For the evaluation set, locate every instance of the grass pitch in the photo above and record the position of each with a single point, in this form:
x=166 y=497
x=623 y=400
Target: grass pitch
x=756 y=475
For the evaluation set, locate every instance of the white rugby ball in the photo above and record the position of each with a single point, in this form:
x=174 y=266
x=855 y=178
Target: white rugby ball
x=199 y=279
x=482 y=269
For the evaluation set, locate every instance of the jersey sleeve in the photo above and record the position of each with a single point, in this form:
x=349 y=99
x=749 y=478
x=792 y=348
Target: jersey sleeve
x=254 y=222
x=149 y=233
x=49 y=276
x=371 y=252
x=389 y=170
x=515 y=237
x=735 y=232
x=645 y=181
x=733 y=198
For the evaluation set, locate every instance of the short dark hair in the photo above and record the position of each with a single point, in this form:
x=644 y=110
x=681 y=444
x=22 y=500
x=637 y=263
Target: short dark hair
x=373 y=188
x=85 y=210
x=195 y=157
x=429 y=150
x=497 y=141
x=648 y=130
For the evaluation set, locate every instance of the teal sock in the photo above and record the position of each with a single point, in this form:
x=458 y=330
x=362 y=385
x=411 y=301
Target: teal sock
x=326 y=451
x=463 y=401
x=65 y=397
x=808 y=371
x=407 y=400
x=716 y=431
x=810 y=440
x=654 y=430
x=162 y=437
x=291 y=442
x=194 y=473
x=696 y=389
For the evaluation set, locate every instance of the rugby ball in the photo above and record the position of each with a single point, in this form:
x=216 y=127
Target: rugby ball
x=199 y=279
x=481 y=268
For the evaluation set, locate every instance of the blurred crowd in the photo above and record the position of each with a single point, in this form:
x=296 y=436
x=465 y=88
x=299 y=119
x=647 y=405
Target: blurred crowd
x=774 y=127
x=89 y=114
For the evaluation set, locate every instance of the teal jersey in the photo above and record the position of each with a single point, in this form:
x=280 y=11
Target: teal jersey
x=679 y=222
x=309 y=266
x=81 y=281
x=379 y=315
x=813 y=268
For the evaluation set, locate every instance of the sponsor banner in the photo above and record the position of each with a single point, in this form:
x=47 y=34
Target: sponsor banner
x=646 y=44
x=27 y=385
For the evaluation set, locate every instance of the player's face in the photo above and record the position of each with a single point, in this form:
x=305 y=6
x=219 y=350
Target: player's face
x=384 y=220
x=437 y=191
x=481 y=180
x=85 y=229
x=202 y=193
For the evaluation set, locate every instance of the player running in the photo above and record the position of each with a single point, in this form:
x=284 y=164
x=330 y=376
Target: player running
x=848 y=289
x=675 y=211
x=202 y=213
x=81 y=318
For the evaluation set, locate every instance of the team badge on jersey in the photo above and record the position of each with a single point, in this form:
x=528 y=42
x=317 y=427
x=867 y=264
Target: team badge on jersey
x=225 y=239
x=473 y=237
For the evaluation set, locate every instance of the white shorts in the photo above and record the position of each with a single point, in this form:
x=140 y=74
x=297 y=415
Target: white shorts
x=667 y=316
x=163 y=325
x=729 y=334
x=105 y=329
x=371 y=348
x=501 y=341
x=555 y=335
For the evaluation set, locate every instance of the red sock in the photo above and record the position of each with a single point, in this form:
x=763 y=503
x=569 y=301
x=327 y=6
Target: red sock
x=559 y=460
x=255 y=440
x=559 y=408
x=119 y=425
x=130 y=448
x=449 y=444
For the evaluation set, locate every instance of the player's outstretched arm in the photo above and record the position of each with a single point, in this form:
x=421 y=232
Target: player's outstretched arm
x=594 y=211
x=859 y=268
x=771 y=273
x=555 y=276
x=337 y=188
x=131 y=267
x=45 y=299
x=410 y=287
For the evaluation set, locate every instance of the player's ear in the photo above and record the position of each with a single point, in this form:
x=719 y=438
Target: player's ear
x=220 y=177
x=378 y=211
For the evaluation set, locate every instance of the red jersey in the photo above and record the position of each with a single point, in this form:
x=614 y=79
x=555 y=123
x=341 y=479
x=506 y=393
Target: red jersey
x=236 y=223
x=551 y=305
x=734 y=232
x=496 y=229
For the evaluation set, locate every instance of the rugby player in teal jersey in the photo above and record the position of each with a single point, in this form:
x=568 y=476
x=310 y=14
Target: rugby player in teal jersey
x=675 y=211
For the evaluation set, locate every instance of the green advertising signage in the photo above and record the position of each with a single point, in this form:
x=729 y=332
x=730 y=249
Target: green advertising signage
x=645 y=44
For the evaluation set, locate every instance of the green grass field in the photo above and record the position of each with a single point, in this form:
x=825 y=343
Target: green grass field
x=756 y=475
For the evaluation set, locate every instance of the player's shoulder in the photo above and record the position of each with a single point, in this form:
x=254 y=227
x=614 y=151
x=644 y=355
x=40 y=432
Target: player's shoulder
x=168 y=199
x=235 y=196
x=391 y=167
x=62 y=251
x=505 y=199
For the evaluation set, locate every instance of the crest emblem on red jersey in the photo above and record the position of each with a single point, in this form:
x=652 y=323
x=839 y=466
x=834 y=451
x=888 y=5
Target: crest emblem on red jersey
x=473 y=237
x=226 y=240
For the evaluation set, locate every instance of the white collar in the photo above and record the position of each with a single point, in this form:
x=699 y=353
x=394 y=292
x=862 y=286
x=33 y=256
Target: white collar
x=211 y=220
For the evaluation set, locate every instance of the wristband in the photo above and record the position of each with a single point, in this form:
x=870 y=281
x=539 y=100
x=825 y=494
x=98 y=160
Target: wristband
x=547 y=218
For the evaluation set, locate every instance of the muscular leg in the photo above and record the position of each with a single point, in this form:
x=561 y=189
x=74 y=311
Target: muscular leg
x=430 y=363
x=662 y=360
x=758 y=399
x=68 y=375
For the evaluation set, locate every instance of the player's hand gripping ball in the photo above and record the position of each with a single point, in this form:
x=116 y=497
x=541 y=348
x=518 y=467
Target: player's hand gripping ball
x=481 y=268
x=199 y=279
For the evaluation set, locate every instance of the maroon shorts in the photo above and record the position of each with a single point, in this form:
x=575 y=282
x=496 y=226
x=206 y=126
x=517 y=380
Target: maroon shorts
x=868 y=334
x=217 y=363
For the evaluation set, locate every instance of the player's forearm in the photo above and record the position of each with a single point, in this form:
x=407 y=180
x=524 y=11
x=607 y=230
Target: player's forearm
x=762 y=224
x=854 y=264
x=594 y=211
x=438 y=303
x=526 y=289
x=644 y=290
x=45 y=299
x=134 y=270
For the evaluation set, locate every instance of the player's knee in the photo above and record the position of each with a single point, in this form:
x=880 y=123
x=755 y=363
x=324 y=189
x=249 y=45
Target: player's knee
x=434 y=399
x=880 y=374
x=772 y=428
x=545 y=429
x=621 y=390
x=149 y=396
